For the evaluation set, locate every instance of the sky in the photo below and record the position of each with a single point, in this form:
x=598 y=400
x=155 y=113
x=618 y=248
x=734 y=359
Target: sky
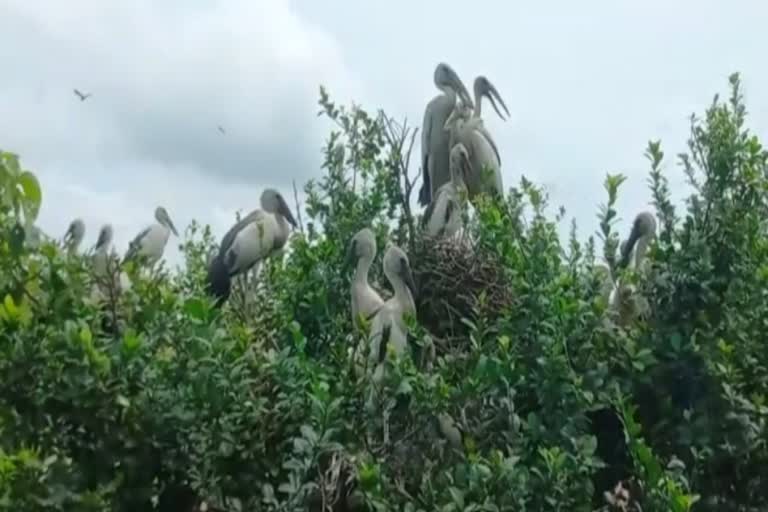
x=587 y=84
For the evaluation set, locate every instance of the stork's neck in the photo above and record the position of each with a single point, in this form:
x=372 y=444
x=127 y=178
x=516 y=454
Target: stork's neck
x=478 y=103
x=402 y=295
x=640 y=249
x=362 y=269
x=282 y=231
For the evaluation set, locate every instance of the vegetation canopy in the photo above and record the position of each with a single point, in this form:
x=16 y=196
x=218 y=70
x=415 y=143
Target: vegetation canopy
x=521 y=391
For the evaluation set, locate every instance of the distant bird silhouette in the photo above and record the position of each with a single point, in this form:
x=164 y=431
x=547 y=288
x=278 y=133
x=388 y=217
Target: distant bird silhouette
x=221 y=129
x=80 y=95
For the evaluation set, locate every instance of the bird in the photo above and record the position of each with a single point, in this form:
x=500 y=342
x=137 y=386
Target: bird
x=105 y=266
x=443 y=214
x=625 y=301
x=434 y=140
x=101 y=250
x=483 y=87
x=640 y=236
x=388 y=327
x=82 y=96
x=150 y=243
x=467 y=127
x=221 y=129
x=366 y=301
x=254 y=238
x=74 y=235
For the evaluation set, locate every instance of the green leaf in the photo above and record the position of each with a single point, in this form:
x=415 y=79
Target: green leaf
x=86 y=336
x=10 y=307
x=32 y=194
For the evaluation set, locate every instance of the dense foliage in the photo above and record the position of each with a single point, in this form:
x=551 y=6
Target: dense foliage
x=154 y=399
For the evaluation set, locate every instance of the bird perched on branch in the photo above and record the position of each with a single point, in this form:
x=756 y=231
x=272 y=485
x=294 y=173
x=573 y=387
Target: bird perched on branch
x=248 y=242
x=366 y=301
x=149 y=245
x=74 y=235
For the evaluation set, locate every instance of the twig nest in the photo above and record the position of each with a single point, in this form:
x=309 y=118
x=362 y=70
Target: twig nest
x=456 y=280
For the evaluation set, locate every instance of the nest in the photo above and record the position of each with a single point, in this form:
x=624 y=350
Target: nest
x=457 y=280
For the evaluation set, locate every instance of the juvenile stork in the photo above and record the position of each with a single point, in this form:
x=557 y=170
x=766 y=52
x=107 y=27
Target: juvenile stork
x=103 y=255
x=467 y=127
x=149 y=245
x=74 y=235
x=388 y=327
x=434 y=140
x=626 y=300
x=443 y=215
x=101 y=250
x=257 y=236
x=366 y=301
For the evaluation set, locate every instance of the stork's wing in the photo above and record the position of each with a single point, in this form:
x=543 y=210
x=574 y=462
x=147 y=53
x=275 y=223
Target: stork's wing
x=449 y=206
x=135 y=244
x=487 y=136
x=429 y=211
x=230 y=235
x=425 y=194
x=386 y=332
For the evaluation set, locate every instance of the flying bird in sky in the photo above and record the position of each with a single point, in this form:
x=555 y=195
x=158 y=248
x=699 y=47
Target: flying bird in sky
x=81 y=95
x=221 y=129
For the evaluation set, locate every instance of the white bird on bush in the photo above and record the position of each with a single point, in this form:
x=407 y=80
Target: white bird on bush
x=149 y=245
x=74 y=235
x=102 y=255
x=101 y=250
x=466 y=127
x=388 y=327
x=257 y=236
x=443 y=215
x=365 y=300
x=626 y=301
x=434 y=140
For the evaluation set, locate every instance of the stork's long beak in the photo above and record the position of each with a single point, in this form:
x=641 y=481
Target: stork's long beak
x=461 y=89
x=490 y=92
x=171 y=226
x=283 y=209
x=407 y=275
x=629 y=244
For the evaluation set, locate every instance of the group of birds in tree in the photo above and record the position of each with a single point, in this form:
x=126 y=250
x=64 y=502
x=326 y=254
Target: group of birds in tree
x=146 y=248
x=459 y=158
x=456 y=150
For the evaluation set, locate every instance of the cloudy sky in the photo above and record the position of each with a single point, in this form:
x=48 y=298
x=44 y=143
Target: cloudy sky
x=587 y=83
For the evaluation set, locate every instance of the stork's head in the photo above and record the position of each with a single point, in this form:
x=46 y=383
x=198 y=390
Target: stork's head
x=447 y=80
x=644 y=227
x=398 y=268
x=484 y=87
x=362 y=245
x=273 y=202
x=163 y=218
x=105 y=237
x=75 y=233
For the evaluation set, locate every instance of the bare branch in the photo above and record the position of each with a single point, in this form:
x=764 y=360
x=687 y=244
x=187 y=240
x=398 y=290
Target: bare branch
x=298 y=207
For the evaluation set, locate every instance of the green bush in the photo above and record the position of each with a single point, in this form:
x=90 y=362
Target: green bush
x=156 y=400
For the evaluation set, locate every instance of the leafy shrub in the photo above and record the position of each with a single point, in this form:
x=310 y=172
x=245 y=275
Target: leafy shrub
x=543 y=404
